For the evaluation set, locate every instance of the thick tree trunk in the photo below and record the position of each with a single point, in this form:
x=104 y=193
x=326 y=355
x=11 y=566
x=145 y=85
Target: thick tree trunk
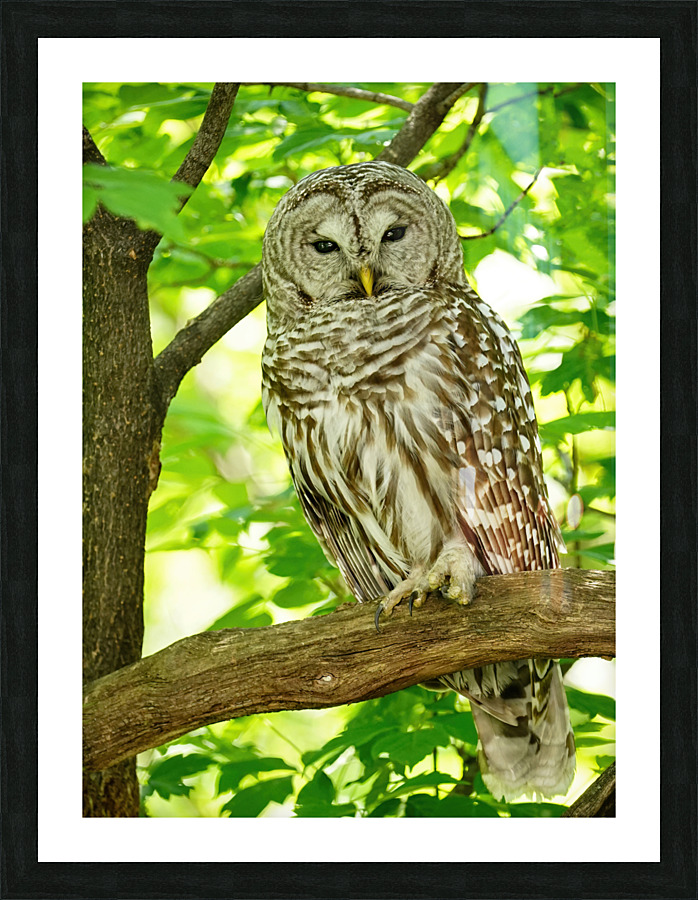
x=122 y=421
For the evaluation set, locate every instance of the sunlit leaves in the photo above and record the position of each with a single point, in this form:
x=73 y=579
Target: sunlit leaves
x=166 y=776
x=144 y=196
x=224 y=493
x=252 y=801
x=592 y=704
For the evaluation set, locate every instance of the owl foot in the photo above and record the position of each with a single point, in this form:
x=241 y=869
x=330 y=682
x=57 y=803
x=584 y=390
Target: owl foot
x=413 y=587
x=453 y=574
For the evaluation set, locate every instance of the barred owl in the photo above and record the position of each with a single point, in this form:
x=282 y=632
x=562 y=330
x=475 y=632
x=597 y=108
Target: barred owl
x=408 y=424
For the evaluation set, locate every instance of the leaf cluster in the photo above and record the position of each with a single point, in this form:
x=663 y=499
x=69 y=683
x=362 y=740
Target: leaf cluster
x=225 y=526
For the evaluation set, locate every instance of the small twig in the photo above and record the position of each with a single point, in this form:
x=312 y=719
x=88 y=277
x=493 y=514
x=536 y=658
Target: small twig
x=190 y=343
x=208 y=140
x=509 y=210
x=341 y=90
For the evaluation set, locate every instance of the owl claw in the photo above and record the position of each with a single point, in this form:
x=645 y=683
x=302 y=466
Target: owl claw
x=453 y=574
x=416 y=599
x=379 y=610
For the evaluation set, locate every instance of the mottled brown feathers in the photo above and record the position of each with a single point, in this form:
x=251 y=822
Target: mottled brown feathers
x=408 y=424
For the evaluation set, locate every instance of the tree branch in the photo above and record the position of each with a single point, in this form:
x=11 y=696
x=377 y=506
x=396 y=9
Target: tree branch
x=190 y=343
x=200 y=334
x=507 y=212
x=445 y=166
x=340 y=90
x=208 y=140
x=598 y=800
x=426 y=116
x=339 y=658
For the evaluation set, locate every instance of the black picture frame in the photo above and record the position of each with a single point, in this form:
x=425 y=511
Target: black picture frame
x=674 y=22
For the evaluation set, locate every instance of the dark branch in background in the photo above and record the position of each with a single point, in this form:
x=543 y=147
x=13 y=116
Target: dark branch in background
x=445 y=166
x=200 y=334
x=426 y=116
x=509 y=210
x=329 y=660
x=598 y=800
x=190 y=343
x=209 y=137
x=90 y=151
x=340 y=90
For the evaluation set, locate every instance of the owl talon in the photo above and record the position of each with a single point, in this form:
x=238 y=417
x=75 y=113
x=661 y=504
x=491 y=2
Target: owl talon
x=379 y=611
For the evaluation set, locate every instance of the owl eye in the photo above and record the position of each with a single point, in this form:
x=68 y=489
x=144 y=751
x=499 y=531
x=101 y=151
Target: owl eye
x=395 y=234
x=325 y=246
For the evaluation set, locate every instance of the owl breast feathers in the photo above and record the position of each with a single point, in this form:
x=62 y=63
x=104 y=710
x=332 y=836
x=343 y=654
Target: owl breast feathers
x=408 y=424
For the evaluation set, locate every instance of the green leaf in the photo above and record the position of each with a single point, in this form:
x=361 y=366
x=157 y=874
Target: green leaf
x=320 y=810
x=603 y=553
x=353 y=736
x=165 y=776
x=298 y=555
x=557 y=429
x=410 y=747
x=232 y=773
x=388 y=808
x=252 y=801
x=89 y=203
x=460 y=726
x=454 y=806
x=318 y=792
x=584 y=362
x=298 y=593
x=592 y=704
x=588 y=741
x=573 y=535
x=428 y=779
x=535 y=810
x=138 y=194
x=244 y=615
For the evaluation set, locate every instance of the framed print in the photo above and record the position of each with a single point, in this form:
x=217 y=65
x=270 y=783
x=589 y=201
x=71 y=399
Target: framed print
x=459 y=275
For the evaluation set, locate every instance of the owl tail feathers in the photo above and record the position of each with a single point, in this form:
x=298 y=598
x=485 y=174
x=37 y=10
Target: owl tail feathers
x=535 y=757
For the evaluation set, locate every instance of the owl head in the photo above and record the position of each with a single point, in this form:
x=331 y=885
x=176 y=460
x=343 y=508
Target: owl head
x=350 y=234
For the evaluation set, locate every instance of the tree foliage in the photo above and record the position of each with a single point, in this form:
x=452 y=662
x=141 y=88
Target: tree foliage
x=528 y=172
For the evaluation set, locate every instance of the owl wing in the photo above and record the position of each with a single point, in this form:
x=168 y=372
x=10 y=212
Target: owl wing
x=343 y=541
x=502 y=502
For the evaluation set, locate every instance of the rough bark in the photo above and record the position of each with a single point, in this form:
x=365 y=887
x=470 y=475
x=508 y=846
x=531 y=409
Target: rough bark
x=598 y=800
x=122 y=419
x=340 y=658
x=426 y=116
x=123 y=414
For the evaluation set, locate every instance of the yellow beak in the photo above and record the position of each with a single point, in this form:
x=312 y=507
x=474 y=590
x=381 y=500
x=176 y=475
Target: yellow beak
x=366 y=276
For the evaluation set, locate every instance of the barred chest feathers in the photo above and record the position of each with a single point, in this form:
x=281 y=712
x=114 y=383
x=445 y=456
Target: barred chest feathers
x=357 y=402
x=408 y=424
